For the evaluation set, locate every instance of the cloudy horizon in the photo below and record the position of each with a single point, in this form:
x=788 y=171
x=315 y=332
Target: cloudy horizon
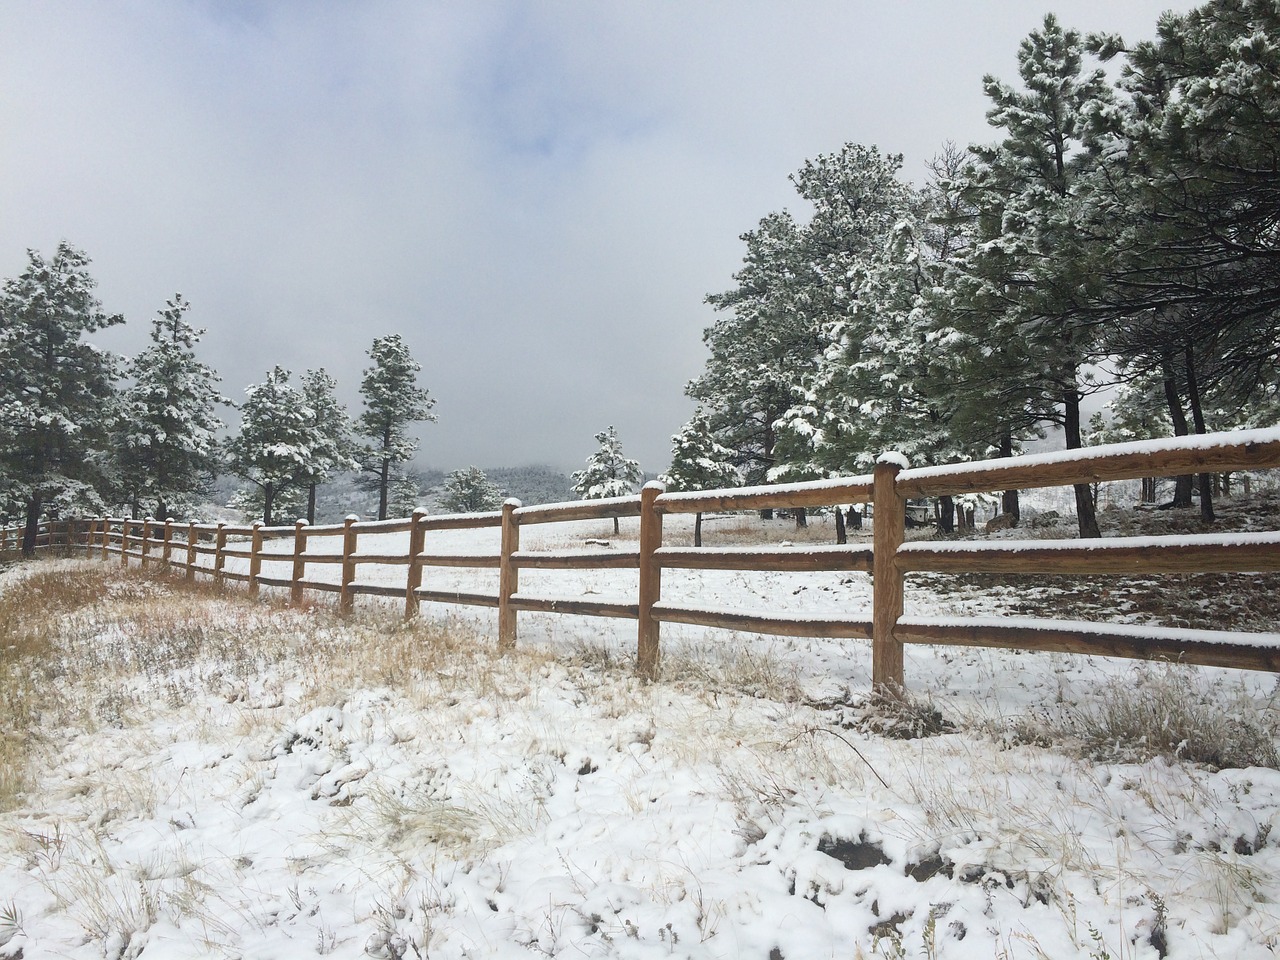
x=537 y=197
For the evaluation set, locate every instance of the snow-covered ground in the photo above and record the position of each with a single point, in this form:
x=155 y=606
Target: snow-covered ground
x=283 y=788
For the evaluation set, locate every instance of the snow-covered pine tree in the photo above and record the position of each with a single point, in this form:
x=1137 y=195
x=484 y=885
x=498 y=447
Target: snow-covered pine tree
x=57 y=392
x=334 y=448
x=166 y=436
x=698 y=462
x=793 y=286
x=274 y=448
x=608 y=473
x=393 y=400
x=1027 y=279
x=404 y=495
x=469 y=491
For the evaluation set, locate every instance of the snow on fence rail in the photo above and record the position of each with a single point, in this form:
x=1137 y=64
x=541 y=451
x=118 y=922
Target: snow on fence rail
x=889 y=561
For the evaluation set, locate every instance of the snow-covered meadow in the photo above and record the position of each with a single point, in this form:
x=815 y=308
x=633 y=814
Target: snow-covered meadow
x=218 y=777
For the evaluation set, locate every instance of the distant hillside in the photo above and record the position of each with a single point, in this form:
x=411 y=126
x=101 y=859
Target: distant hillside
x=535 y=484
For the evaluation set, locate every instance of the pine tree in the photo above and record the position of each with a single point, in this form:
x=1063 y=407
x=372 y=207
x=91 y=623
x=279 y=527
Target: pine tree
x=56 y=392
x=393 y=400
x=608 y=472
x=699 y=462
x=274 y=448
x=792 y=292
x=334 y=447
x=166 y=439
x=469 y=491
x=1027 y=281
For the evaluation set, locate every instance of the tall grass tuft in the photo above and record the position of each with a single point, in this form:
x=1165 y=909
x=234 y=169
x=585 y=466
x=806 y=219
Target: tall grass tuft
x=1160 y=711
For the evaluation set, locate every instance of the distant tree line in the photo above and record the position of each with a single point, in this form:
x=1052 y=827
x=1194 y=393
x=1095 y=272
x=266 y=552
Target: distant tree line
x=1129 y=227
x=83 y=431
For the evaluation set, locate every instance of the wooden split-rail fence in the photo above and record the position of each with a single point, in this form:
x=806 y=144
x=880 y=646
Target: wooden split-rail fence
x=204 y=548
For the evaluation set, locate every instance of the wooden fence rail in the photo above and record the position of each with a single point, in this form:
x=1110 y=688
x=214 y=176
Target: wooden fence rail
x=203 y=548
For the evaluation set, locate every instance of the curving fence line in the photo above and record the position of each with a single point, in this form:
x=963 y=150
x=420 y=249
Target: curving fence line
x=203 y=549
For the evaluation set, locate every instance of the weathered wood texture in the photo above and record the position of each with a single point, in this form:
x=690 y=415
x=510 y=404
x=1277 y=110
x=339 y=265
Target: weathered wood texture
x=804 y=559
x=582 y=608
x=1226 y=554
x=650 y=588
x=887 y=584
x=787 y=496
x=1097 y=639
x=831 y=627
x=580 y=510
x=1252 y=450
x=578 y=560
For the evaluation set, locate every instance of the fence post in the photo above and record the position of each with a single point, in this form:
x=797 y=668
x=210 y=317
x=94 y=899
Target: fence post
x=219 y=558
x=346 y=599
x=417 y=542
x=650 y=579
x=192 y=539
x=299 y=565
x=146 y=541
x=167 y=550
x=888 y=530
x=255 y=558
x=508 y=575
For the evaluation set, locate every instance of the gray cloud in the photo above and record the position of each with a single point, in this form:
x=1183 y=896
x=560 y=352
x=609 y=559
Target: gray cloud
x=537 y=196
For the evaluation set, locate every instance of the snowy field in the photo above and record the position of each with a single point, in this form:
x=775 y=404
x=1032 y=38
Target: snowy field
x=215 y=777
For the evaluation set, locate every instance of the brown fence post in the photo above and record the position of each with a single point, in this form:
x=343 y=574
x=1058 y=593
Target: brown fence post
x=299 y=564
x=346 y=599
x=417 y=542
x=650 y=579
x=255 y=558
x=146 y=541
x=192 y=539
x=124 y=541
x=219 y=558
x=167 y=550
x=508 y=575
x=888 y=530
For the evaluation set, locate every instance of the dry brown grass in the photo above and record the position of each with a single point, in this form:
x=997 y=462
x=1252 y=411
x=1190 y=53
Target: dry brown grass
x=77 y=637
x=33 y=603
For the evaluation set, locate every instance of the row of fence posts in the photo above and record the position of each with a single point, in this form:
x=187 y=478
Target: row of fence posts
x=888 y=531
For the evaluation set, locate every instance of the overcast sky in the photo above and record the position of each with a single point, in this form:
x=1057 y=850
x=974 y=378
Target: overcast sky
x=537 y=196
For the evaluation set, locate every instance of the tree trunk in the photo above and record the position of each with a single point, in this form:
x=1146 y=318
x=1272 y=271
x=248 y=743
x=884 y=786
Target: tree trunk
x=802 y=518
x=268 y=501
x=1009 y=499
x=853 y=518
x=616 y=529
x=311 y=503
x=947 y=515
x=1085 y=511
x=841 y=535
x=162 y=511
x=1197 y=415
x=32 y=526
x=1148 y=490
x=697 y=530
x=384 y=482
x=1182 y=486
